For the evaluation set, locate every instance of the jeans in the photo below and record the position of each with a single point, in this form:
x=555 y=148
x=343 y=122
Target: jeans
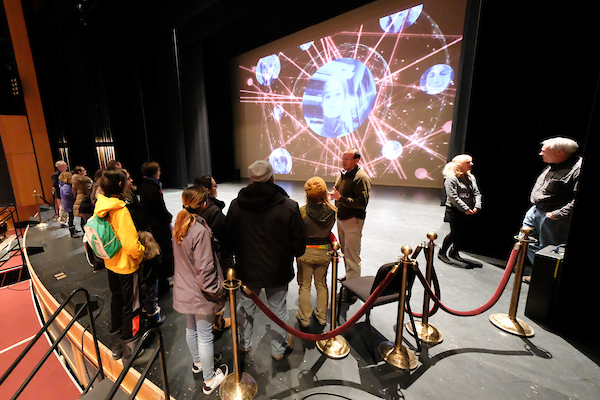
x=350 y=233
x=546 y=230
x=199 y=338
x=277 y=302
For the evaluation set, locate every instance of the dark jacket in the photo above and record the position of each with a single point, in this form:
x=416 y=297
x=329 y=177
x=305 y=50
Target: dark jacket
x=214 y=217
x=55 y=184
x=266 y=232
x=354 y=186
x=154 y=211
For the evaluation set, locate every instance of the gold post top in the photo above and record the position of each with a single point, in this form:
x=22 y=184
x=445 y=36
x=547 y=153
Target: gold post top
x=431 y=236
x=231 y=274
x=526 y=231
x=406 y=250
x=335 y=246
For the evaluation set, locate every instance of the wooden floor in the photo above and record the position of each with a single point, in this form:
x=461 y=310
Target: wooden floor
x=476 y=360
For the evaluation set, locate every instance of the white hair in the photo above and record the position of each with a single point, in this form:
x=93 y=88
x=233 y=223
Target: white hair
x=59 y=163
x=453 y=167
x=559 y=143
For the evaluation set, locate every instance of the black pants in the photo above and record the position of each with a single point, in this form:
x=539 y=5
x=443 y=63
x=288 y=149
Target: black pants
x=460 y=228
x=125 y=303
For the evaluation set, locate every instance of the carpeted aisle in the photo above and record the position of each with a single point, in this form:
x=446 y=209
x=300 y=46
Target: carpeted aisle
x=19 y=324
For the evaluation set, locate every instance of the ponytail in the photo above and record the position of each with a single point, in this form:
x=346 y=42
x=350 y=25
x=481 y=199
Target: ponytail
x=193 y=198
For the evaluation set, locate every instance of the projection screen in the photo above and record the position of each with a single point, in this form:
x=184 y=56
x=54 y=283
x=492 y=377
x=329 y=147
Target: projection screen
x=381 y=78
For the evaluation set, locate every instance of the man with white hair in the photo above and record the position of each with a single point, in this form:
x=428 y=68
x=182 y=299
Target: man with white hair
x=266 y=234
x=553 y=195
x=60 y=214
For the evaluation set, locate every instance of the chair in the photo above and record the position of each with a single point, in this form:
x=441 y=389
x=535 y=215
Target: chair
x=363 y=286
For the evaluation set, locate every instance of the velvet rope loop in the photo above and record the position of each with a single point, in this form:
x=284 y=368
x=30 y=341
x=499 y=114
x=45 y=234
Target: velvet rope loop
x=489 y=303
x=377 y=292
x=339 y=330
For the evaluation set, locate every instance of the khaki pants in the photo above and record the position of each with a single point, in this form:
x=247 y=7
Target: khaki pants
x=350 y=237
x=307 y=270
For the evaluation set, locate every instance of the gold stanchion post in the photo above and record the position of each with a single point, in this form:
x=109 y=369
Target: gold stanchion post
x=396 y=354
x=509 y=322
x=336 y=347
x=427 y=332
x=236 y=386
x=37 y=204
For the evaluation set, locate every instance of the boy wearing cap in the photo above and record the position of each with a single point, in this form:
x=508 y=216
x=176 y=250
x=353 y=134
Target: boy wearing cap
x=267 y=232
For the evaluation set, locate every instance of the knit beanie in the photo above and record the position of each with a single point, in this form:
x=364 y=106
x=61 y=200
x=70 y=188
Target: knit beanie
x=316 y=188
x=260 y=171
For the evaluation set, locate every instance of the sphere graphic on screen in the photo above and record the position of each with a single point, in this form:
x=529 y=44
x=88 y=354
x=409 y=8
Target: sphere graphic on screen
x=268 y=69
x=394 y=23
x=436 y=79
x=278 y=112
x=339 y=98
x=392 y=150
x=281 y=161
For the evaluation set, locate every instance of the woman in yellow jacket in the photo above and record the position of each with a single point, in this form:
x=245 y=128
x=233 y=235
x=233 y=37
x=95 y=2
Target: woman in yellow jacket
x=123 y=267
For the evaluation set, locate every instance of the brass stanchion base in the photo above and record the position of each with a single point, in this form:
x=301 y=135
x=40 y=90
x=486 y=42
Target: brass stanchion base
x=246 y=389
x=402 y=358
x=510 y=325
x=336 y=347
x=426 y=332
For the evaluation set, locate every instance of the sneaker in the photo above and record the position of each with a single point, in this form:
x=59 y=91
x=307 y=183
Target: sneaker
x=220 y=375
x=197 y=367
x=243 y=349
x=288 y=349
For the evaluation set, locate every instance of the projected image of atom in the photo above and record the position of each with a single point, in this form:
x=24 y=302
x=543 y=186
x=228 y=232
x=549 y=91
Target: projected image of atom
x=385 y=87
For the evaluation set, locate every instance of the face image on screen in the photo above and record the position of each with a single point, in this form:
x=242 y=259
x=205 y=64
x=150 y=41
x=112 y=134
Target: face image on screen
x=380 y=79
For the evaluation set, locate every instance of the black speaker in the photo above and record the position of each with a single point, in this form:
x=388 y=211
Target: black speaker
x=542 y=298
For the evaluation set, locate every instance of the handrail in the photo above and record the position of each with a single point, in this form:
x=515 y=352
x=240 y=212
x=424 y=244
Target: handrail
x=44 y=329
x=158 y=351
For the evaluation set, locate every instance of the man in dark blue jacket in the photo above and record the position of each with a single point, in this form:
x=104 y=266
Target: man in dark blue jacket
x=267 y=232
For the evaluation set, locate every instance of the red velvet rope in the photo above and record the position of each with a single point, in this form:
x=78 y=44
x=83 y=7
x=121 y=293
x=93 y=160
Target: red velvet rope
x=490 y=302
x=337 y=331
x=371 y=300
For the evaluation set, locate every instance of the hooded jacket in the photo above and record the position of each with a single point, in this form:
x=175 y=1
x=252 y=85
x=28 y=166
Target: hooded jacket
x=127 y=260
x=82 y=185
x=66 y=196
x=266 y=232
x=198 y=280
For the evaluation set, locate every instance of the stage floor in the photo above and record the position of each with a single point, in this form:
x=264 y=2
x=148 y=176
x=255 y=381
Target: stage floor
x=475 y=360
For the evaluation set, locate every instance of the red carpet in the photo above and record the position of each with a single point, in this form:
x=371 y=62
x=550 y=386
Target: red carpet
x=20 y=323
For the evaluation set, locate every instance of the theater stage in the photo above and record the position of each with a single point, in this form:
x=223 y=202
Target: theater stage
x=476 y=360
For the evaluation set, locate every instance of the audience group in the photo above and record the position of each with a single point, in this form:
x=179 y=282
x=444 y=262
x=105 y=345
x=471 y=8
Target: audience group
x=262 y=234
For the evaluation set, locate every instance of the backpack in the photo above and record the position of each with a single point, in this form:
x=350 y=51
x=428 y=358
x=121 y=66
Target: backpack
x=101 y=237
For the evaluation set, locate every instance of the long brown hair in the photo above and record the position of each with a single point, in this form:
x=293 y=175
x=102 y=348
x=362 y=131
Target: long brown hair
x=193 y=198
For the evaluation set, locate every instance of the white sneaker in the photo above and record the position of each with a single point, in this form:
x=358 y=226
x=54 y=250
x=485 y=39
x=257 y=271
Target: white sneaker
x=220 y=375
x=197 y=367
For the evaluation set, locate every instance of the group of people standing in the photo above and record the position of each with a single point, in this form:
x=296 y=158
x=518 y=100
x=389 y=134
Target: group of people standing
x=261 y=235
x=552 y=201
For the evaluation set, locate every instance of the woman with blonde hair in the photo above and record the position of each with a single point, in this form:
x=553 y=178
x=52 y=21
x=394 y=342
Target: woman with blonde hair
x=198 y=284
x=318 y=216
x=463 y=201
